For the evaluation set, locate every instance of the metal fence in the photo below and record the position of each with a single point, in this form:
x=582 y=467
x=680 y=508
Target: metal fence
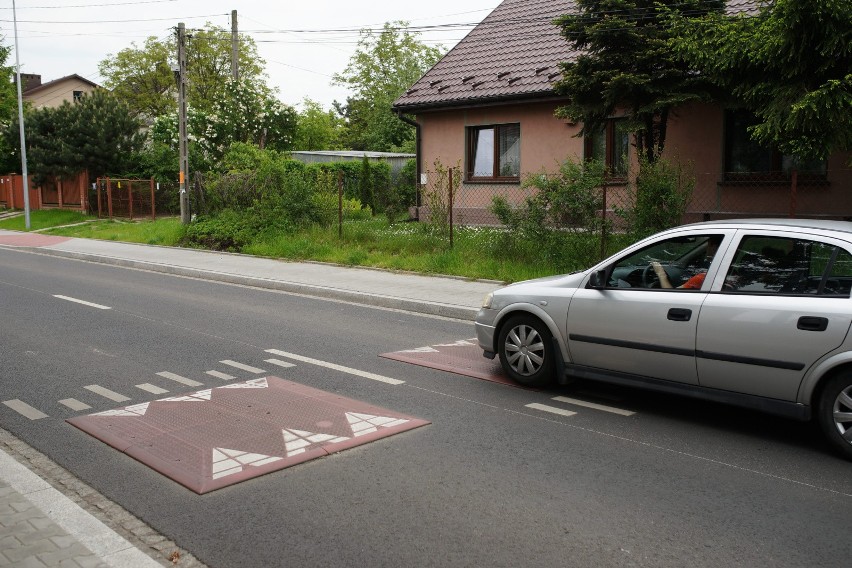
x=713 y=196
x=125 y=197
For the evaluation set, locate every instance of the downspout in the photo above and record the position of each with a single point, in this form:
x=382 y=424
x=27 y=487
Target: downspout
x=417 y=159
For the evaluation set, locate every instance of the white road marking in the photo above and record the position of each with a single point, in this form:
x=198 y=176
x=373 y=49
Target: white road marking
x=74 y=404
x=25 y=409
x=242 y=366
x=336 y=367
x=151 y=388
x=179 y=379
x=85 y=303
x=223 y=376
x=587 y=404
x=280 y=363
x=551 y=409
x=106 y=393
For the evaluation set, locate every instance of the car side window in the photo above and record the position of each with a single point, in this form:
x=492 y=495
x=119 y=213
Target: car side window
x=675 y=263
x=789 y=266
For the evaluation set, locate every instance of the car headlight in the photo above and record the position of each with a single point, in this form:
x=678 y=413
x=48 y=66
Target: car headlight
x=486 y=301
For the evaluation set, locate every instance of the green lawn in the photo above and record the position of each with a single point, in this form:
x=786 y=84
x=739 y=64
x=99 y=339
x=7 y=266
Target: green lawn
x=478 y=253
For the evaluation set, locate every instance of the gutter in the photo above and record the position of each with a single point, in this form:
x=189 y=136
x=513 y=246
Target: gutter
x=417 y=159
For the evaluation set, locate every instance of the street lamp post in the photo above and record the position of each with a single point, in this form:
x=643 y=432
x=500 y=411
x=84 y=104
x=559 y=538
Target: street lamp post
x=21 y=122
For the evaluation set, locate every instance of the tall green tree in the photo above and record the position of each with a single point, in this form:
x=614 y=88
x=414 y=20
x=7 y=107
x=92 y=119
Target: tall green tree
x=625 y=63
x=791 y=65
x=383 y=66
x=98 y=134
x=143 y=77
x=317 y=128
x=8 y=108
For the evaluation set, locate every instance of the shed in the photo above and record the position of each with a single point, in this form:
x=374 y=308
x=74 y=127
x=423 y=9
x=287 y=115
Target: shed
x=396 y=160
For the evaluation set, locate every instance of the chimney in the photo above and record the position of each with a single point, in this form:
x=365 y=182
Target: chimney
x=28 y=81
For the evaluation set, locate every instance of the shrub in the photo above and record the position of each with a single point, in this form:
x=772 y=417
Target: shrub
x=661 y=195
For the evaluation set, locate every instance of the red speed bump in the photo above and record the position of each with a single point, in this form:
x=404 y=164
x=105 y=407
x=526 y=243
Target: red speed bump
x=211 y=438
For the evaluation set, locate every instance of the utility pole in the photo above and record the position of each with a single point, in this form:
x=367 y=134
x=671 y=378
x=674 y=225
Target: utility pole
x=235 y=44
x=183 y=142
x=24 y=176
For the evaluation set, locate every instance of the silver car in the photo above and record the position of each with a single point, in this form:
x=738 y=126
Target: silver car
x=754 y=313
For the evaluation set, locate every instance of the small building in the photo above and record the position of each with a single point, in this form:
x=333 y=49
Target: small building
x=53 y=93
x=396 y=160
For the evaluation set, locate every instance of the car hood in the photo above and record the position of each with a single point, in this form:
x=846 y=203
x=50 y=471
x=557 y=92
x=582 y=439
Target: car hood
x=562 y=281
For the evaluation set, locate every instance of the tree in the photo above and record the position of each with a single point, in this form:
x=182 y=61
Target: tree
x=97 y=134
x=317 y=128
x=791 y=65
x=383 y=66
x=8 y=109
x=143 y=77
x=625 y=63
x=242 y=112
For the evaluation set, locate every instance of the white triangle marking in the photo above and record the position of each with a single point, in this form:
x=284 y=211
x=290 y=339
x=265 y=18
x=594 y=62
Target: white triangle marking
x=420 y=350
x=252 y=384
x=366 y=423
x=228 y=462
x=459 y=343
x=297 y=441
x=134 y=410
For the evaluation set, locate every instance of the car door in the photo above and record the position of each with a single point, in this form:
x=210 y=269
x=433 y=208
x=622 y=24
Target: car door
x=633 y=326
x=779 y=306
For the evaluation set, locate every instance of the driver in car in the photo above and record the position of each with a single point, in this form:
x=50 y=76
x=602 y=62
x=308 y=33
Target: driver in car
x=696 y=281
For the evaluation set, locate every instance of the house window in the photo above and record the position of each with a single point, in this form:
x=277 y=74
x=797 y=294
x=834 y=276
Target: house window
x=494 y=153
x=78 y=95
x=609 y=144
x=745 y=157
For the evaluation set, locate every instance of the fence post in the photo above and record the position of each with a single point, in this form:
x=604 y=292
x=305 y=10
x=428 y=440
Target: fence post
x=340 y=204
x=109 y=197
x=98 y=183
x=451 y=205
x=794 y=179
x=603 y=223
x=153 y=205
x=130 y=198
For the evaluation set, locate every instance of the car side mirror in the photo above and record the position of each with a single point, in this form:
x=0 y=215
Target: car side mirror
x=598 y=280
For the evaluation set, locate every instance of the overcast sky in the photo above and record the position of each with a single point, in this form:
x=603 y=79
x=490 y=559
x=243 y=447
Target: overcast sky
x=304 y=43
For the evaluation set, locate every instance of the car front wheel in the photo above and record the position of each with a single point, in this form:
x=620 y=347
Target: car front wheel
x=526 y=351
x=835 y=413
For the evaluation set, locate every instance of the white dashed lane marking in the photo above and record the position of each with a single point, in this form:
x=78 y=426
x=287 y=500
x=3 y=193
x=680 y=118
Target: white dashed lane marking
x=179 y=379
x=595 y=406
x=25 y=409
x=151 y=388
x=223 y=376
x=336 y=367
x=106 y=393
x=280 y=363
x=242 y=366
x=74 y=404
x=84 y=302
x=551 y=409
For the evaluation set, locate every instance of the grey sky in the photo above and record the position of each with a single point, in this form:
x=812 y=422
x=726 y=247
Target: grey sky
x=303 y=43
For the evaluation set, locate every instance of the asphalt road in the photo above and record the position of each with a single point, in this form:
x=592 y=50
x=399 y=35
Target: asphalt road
x=490 y=482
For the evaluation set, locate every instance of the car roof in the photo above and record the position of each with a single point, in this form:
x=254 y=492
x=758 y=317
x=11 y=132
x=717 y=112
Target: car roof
x=819 y=224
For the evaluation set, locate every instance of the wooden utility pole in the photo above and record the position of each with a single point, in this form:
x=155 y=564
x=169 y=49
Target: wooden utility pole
x=183 y=143
x=235 y=45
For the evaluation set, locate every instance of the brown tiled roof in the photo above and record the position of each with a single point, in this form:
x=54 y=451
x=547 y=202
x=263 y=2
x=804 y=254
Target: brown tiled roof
x=514 y=53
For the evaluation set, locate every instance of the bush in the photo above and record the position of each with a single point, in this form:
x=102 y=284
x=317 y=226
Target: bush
x=661 y=195
x=228 y=230
x=561 y=221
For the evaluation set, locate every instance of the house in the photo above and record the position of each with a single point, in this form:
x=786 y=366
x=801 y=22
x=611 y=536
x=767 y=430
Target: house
x=488 y=107
x=53 y=93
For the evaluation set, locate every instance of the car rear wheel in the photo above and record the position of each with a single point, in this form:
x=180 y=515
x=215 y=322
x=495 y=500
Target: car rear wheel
x=834 y=413
x=526 y=350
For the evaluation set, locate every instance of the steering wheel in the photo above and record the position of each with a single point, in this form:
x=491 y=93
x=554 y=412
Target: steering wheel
x=650 y=278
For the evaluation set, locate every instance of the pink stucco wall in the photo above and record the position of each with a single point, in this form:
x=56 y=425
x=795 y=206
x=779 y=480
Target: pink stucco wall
x=695 y=138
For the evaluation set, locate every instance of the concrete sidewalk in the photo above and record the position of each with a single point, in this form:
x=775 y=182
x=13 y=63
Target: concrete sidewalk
x=39 y=526
x=437 y=295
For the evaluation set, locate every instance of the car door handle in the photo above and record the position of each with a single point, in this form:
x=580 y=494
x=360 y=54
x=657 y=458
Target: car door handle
x=679 y=314
x=812 y=323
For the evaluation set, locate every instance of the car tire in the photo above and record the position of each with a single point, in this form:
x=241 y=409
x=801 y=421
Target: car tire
x=834 y=413
x=526 y=350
